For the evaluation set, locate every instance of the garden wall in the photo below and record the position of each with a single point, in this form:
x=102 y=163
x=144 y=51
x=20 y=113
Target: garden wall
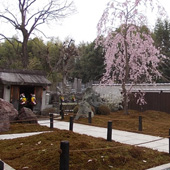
x=159 y=101
x=157 y=96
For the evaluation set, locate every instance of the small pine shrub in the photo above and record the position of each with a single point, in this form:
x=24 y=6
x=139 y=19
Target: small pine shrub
x=76 y=108
x=46 y=111
x=93 y=109
x=114 y=107
x=103 y=110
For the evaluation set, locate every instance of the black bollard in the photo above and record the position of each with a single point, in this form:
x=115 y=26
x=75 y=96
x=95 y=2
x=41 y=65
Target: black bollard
x=109 y=131
x=169 y=141
x=64 y=157
x=61 y=107
x=89 y=118
x=140 y=123
x=1 y=165
x=71 y=123
x=62 y=114
x=51 y=120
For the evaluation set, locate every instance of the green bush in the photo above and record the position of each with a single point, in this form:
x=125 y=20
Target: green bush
x=114 y=106
x=103 y=110
x=46 y=111
x=76 y=108
x=93 y=109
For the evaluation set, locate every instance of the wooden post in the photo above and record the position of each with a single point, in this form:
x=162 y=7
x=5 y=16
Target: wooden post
x=109 y=131
x=51 y=120
x=140 y=123
x=64 y=157
x=71 y=123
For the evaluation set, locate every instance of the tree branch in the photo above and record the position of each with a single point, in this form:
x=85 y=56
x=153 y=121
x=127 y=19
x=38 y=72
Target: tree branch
x=29 y=4
x=49 y=12
x=9 y=20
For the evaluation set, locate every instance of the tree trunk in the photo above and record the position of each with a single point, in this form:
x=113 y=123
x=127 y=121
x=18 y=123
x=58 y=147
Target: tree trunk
x=125 y=99
x=25 y=52
x=125 y=81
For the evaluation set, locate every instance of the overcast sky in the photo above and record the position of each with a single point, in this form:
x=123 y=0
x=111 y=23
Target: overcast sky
x=81 y=26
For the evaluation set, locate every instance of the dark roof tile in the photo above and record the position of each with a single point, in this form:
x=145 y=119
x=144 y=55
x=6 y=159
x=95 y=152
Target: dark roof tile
x=23 y=78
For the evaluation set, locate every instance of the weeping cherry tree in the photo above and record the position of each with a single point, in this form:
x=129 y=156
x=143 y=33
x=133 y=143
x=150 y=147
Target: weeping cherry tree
x=130 y=54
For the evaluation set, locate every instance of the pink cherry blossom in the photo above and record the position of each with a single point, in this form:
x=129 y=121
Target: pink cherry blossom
x=130 y=54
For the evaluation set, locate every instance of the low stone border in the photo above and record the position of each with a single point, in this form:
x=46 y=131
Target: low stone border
x=6 y=166
x=161 y=167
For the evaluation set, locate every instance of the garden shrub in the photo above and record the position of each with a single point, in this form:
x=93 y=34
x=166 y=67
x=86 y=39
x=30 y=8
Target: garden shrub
x=46 y=111
x=113 y=101
x=93 y=109
x=114 y=106
x=103 y=110
x=75 y=109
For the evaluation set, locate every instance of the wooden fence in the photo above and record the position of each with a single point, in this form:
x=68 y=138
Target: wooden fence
x=155 y=101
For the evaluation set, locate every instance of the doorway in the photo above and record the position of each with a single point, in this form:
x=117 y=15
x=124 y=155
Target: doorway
x=27 y=90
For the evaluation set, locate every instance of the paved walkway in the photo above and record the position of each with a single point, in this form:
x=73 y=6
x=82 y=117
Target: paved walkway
x=18 y=135
x=153 y=142
x=158 y=143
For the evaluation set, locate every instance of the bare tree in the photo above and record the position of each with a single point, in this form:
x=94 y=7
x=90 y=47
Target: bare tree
x=65 y=60
x=33 y=13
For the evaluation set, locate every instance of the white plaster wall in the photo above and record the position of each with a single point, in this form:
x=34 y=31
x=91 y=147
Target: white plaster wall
x=108 y=91
x=7 y=93
x=115 y=89
x=43 y=105
x=47 y=98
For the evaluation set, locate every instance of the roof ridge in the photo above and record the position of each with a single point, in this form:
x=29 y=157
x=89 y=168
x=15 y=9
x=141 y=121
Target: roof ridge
x=24 y=71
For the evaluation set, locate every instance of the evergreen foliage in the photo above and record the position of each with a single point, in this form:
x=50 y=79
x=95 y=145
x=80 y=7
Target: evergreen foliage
x=162 y=40
x=90 y=63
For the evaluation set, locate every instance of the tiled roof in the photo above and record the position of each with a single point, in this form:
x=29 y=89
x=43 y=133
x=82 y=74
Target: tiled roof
x=23 y=78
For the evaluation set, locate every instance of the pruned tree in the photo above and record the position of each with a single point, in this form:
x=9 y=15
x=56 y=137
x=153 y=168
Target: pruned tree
x=28 y=15
x=131 y=56
x=60 y=58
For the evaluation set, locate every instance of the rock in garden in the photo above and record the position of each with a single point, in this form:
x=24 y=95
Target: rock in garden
x=26 y=115
x=83 y=111
x=93 y=98
x=8 y=108
x=4 y=122
x=7 y=113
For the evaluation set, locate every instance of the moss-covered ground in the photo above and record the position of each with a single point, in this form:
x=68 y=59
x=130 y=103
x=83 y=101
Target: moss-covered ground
x=153 y=122
x=42 y=152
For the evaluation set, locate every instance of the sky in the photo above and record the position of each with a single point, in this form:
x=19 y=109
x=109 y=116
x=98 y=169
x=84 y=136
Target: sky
x=80 y=26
